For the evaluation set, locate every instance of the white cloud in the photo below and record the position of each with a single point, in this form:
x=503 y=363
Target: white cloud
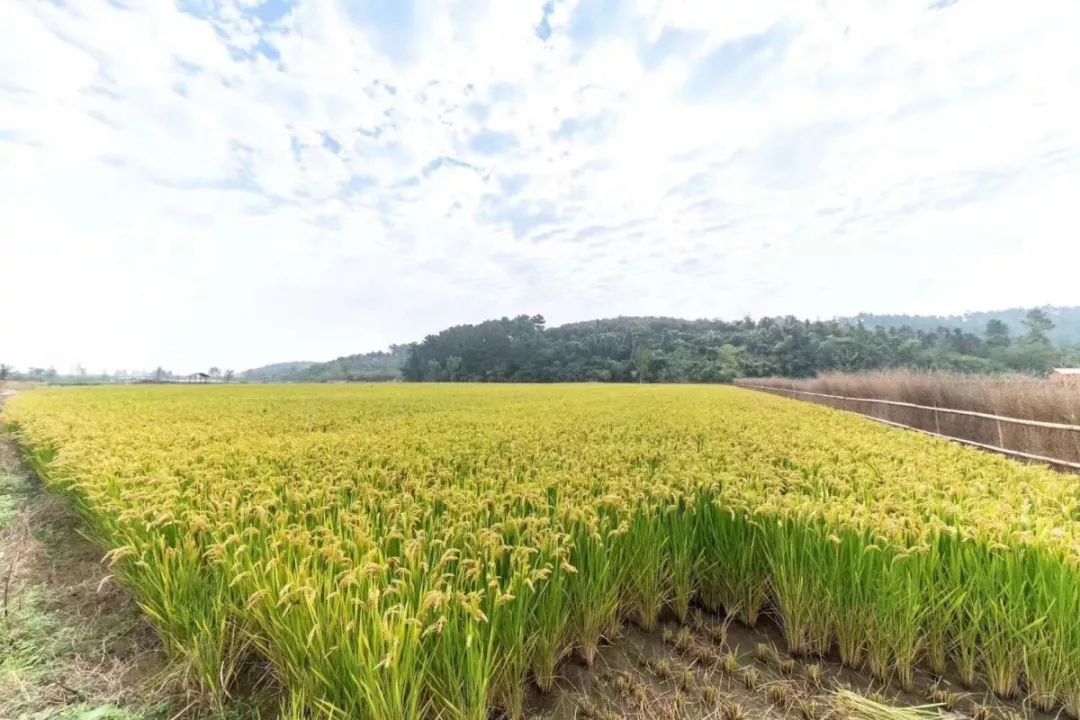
x=233 y=183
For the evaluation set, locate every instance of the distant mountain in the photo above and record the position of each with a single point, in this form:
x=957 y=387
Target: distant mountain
x=363 y=367
x=275 y=372
x=1066 y=322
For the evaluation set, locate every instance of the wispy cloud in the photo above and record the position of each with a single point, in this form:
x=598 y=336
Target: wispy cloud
x=738 y=66
x=235 y=181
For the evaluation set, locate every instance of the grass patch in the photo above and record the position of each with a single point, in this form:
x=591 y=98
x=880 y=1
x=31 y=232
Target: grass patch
x=68 y=650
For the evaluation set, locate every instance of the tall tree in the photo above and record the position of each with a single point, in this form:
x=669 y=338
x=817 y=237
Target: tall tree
x=453 y=365
x=997 y=334
x=1038 y=325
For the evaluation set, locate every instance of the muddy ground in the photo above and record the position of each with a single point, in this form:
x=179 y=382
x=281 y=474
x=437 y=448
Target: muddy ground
x=712 y=669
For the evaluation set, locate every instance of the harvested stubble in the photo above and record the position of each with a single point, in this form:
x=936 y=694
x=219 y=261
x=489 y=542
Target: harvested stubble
x=420 y=551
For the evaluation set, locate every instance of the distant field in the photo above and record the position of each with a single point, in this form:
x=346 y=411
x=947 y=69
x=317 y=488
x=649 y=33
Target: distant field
x=430 y=551
x=13 y=385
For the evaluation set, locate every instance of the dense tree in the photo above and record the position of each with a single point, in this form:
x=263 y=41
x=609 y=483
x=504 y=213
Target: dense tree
x=522 y=349
x=1038 y=325
x=997 y=334
x=364 y=367
x=1065 y=333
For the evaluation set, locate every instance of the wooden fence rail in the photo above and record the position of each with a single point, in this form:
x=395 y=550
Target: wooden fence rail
x=952 y=411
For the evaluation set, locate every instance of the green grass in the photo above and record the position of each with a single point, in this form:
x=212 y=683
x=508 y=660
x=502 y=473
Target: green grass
x=14 y=491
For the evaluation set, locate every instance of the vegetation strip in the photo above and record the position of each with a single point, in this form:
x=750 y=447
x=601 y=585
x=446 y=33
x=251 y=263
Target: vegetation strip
x=971 y=443
x=879 y=401
x=418 y=552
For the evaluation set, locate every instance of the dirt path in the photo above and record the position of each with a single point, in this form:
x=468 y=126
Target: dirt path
x=72 y=644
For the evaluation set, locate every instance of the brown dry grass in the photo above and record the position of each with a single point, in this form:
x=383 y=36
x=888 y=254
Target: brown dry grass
x=18 y=385
x=1009 y=396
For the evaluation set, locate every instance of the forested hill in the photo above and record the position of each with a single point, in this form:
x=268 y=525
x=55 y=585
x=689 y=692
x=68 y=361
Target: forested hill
x=363 y=367
x=1066 y=330
x=276 y=371
x=657 y=349
x=660 y=349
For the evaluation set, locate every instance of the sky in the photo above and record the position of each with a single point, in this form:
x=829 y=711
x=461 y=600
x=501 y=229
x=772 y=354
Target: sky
x=238 y=182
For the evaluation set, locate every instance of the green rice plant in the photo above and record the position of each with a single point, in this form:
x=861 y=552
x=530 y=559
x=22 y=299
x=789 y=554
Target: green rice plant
x=189 y=604
x=851 y=589
x=365 y=665
x=896 y=634
x=594 y=593
x=682 y=560
x=551 y=623
x=1006 y=576
x=732 y=568
x=1052 y=650
x=647 y=582
x=945 y=606
x=970 y=621
x=796 y=558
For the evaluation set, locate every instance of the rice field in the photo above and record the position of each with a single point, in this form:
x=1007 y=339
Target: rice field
x=402 y=551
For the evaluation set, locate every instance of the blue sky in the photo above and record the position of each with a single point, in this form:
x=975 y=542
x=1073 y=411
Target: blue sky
x=234 y=182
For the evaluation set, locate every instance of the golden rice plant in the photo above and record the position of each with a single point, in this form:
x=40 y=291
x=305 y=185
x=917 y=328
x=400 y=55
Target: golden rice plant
x=414 y=552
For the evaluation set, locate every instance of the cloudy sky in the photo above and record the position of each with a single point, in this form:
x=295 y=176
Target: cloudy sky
x=239 y=182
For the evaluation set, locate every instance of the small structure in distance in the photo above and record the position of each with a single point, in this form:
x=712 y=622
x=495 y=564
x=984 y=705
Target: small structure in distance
x=1070 y=375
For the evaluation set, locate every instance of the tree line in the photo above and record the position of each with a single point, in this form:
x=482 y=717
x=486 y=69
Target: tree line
x=657 y=349
x=1064 y=333
x=80 y=376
